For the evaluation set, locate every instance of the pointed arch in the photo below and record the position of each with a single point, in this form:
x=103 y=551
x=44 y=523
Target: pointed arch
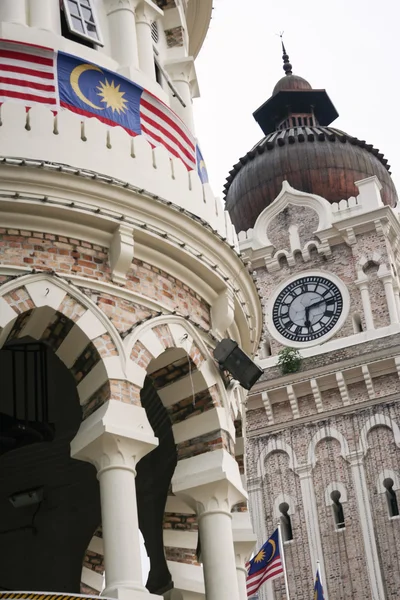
x=49 y=309
x=276 y=446
x=326 y=433
x=377 y=420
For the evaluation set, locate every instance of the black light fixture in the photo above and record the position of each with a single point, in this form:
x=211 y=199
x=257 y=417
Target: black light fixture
x=25 y=419
x=231 y=358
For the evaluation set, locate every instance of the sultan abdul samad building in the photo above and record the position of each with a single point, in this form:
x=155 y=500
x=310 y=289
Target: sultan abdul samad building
x=119 y=273
x=315 y=210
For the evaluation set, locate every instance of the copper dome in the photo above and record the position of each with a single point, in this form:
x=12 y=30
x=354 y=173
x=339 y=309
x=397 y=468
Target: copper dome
x=300 y=148
x=291 y=82
x=318 y=160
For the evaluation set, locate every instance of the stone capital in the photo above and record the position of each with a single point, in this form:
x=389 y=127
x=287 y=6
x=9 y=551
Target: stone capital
x=113 y=6
x=355 y=458
x=147 y=11
x=181 y=69
x=116 y=435
x=209 y=482
x=304 y=471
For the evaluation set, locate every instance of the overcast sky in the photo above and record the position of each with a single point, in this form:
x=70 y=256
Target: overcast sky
x=351 y=48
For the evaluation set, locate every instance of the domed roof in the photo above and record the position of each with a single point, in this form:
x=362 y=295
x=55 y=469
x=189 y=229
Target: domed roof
x=300 y=148
x=291 y=82
x=317 y=160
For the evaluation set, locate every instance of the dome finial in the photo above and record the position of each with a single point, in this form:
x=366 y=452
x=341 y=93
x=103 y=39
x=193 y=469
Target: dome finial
x=287 y=67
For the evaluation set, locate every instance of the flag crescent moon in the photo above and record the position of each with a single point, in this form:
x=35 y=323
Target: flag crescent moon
x=273 y=549
x=74 y=80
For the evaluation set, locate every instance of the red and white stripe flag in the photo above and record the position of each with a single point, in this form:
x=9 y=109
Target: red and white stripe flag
x=28 y=74
x=161 y=126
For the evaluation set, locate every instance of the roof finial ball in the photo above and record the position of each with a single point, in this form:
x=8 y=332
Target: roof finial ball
x=287 y=67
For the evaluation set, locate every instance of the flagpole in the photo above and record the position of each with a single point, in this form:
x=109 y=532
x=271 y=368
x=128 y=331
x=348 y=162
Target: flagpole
x=319 y=573
x=283 y=560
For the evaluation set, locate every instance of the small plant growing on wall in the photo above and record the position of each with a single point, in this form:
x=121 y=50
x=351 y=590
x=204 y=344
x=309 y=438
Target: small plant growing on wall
x=289 y=360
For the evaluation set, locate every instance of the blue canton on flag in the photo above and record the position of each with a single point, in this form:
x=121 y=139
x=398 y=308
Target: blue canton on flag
x=201 y=166
x=89 y=90
x=266 y=564
x=318 y=589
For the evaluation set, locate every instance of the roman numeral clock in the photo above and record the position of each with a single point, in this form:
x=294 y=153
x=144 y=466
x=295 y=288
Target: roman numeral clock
x=308 y=310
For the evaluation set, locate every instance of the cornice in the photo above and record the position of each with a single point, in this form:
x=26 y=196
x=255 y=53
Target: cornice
x=184 y=244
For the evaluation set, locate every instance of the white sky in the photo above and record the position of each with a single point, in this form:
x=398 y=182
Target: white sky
x=351 y=48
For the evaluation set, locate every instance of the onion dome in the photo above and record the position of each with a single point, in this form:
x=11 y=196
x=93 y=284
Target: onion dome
x=300 y=147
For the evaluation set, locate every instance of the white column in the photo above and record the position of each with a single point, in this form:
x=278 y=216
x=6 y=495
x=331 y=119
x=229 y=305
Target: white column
x=13 y=11
x=387 y=280
x=257 y=512
x=244 y=542
x=182 y=74
x=210 y=483
x=115 y=448
x=367 y=525
x=397 y=297
x=122 y=27
x=146 y=13
x=362 y=283
x=45 y=14
x=311 y=519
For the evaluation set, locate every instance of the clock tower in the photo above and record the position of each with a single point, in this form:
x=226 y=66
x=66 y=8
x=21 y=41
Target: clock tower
x=315 y=212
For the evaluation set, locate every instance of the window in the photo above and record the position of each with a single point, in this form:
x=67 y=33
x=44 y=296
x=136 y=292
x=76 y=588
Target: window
x=81 y=21
x=154 y=32
x=391 y=497
x=286 y=523
x=338 y=510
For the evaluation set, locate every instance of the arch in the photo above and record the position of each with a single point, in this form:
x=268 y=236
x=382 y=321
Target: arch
x=326 y=433
x=169 y=352
x=335 y=485
x=289 y=195
x=290 y=500
x=276 y=446
x=373 y=422
x=49 y=309
x=387 y=474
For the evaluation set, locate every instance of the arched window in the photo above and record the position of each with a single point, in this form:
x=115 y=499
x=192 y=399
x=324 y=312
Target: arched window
x=391 y=497
x=286 y=523
x=357 y=323
x=338 y=512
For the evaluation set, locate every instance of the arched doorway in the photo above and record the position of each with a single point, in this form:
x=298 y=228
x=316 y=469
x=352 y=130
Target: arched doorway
x=45 y=535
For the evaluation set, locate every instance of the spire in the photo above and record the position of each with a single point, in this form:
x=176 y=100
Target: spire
x=287 y=67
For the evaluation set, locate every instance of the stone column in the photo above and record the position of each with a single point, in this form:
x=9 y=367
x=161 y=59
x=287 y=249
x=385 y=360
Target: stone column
x=45 y=14
x=122 y=25
x=387 y=279
x=244 y=542
x=367 y=525
x=362 y=283
x=114 y=439
x=210 y=483
x=182 y=74
x=146 y=13
x=311 y=518
x=257 y=511
x=13 y=11
x=397 y=296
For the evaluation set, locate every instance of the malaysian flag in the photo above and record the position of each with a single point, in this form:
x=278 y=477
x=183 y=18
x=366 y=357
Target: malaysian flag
x=33 y=74
x=266 y=564
x=27 y=74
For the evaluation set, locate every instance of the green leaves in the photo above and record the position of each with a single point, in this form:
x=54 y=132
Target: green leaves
x=289 y=360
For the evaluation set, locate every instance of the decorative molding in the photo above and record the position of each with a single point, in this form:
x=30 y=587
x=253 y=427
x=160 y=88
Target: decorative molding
x=335 y=485
x=326 y=433
x=223 y=311
x=317 y=395
x=121 y=253
x=293 y=401
x=368 y=381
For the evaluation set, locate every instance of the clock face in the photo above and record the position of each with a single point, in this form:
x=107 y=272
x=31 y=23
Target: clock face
x=307 y=309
